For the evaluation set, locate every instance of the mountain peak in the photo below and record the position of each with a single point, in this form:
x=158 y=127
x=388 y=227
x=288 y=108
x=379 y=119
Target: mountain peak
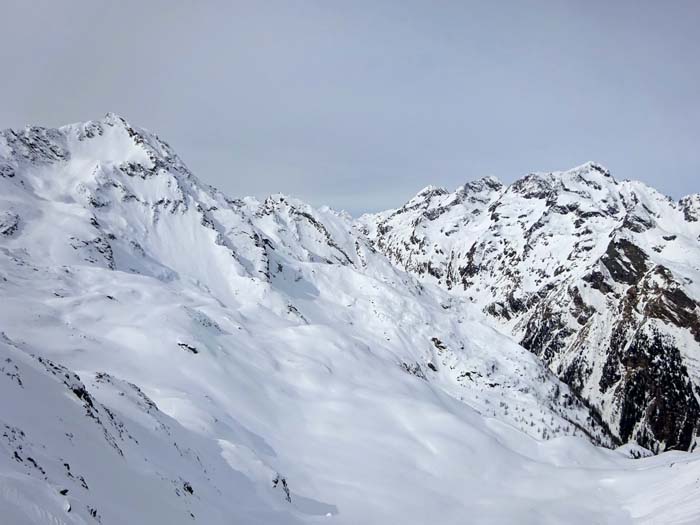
x=485 y=183
x=592 y=166
x=114 y=119
x=430 y=190
x=555 y=258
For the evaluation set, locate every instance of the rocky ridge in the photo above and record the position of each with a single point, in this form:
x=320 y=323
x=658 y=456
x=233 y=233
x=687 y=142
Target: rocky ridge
x=600 y=278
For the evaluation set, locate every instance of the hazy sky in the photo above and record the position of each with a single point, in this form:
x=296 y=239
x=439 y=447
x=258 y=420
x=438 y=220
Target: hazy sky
x=360 y=104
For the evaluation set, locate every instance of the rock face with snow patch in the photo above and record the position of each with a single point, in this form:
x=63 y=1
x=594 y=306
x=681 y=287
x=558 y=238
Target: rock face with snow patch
x=599 y=278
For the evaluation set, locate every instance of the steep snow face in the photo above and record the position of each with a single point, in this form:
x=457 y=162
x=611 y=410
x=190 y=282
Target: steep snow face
x=260 y=362
x=598 y=277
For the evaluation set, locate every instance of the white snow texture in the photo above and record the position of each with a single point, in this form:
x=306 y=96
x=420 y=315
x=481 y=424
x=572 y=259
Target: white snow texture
x=169 y=355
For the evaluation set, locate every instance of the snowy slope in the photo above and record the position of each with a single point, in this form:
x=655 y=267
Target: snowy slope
x=170 y=355
x=598 y=277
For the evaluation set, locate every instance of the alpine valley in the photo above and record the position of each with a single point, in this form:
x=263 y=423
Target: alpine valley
x=524 y=353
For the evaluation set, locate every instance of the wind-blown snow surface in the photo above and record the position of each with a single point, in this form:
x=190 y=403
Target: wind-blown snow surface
x=169 y=355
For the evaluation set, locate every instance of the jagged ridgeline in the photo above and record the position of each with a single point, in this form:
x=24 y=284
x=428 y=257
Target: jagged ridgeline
x=172 y=355
x=598 y=277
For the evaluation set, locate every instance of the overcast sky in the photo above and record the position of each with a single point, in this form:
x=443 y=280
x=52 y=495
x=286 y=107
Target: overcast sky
x=360 y=104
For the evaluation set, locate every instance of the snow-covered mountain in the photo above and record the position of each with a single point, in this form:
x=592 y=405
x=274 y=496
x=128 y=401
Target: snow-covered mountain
x=599 y=278
x=171 y=355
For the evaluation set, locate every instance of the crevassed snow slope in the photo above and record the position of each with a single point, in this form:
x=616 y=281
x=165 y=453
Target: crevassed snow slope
x=169 y=355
